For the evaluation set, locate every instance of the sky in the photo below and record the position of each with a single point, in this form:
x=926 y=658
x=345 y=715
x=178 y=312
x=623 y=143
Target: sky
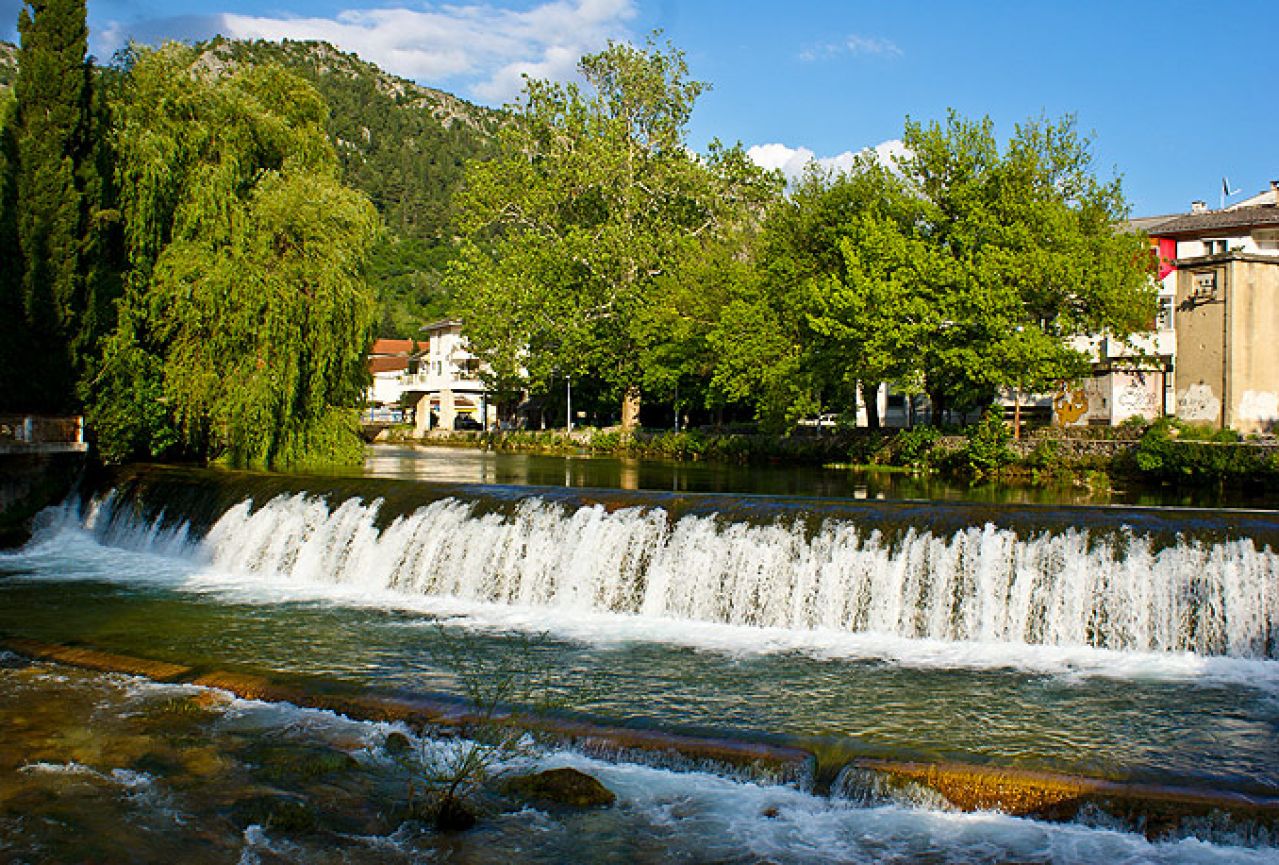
x=1176 y=96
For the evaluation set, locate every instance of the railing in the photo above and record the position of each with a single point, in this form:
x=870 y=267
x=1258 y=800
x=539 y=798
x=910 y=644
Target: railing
x=382 y=415
x=41 y=433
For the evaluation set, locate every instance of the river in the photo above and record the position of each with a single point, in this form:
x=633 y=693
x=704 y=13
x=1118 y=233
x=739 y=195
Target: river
x=802 y=609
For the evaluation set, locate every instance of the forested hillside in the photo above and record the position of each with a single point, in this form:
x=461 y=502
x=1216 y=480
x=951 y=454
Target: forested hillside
x=403 y=145
x=8 y=64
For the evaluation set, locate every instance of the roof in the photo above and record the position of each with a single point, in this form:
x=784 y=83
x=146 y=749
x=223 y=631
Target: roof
x=1269 y=196
x=1216 y=220
x=1149 y=223
x=443 y=324
x=387 y=364
x=392 y=347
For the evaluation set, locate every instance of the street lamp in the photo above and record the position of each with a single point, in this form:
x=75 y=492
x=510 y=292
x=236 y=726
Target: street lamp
x=568 y=402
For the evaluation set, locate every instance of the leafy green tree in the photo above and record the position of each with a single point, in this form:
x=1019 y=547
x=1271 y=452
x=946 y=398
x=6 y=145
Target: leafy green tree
x=784 y=340
x=56 y=192
x=1001 y=259
x=246 y=315
x=403 y=145
x=593 y=199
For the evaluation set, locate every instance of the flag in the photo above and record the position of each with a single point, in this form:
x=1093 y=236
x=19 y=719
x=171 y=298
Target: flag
x=1225 y=187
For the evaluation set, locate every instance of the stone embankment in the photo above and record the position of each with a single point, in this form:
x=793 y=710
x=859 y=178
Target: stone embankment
x=40 y=460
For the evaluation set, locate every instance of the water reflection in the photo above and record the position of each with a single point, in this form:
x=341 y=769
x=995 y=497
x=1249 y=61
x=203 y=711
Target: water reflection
x=470 y=465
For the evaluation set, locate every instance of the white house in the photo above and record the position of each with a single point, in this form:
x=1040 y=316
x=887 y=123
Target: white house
x=444 y=382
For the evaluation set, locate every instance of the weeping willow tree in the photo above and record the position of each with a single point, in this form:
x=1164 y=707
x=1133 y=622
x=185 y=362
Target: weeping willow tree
x=246 y=316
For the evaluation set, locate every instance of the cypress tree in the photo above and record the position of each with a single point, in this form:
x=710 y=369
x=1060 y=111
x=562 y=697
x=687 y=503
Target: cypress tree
x=15 y=347
x=55 y=166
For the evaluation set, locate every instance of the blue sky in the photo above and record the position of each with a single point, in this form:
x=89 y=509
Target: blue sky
x=1176 y=94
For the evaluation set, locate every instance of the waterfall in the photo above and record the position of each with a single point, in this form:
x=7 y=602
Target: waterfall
x=1117 y=590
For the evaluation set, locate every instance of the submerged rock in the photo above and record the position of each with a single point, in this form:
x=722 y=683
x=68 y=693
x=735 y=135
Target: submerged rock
x=298 y=762
x=452 y=815
x=565 y=786
x=397 y=744
x=283 y=813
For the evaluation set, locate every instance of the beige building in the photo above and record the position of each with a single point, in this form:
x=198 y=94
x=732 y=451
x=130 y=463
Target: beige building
x=445 y=382
x=1226 y=313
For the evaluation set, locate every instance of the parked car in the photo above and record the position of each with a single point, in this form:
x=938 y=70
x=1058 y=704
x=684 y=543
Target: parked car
x=466 y=422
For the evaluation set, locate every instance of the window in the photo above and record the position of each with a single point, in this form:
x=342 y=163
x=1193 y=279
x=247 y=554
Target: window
x=1214 y=247
x=1205 y=286
x=1163 y=318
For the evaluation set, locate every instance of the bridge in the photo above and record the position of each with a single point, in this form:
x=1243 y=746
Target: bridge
x=41 y=434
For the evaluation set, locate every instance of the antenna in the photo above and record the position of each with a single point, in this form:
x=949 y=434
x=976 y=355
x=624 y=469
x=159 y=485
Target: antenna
x=1226 y=191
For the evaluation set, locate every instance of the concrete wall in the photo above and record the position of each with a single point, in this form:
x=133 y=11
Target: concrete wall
x=1110 y=399
x=30 y=482
x=1253 y=361
x=1228 y=343
x=1201 y=336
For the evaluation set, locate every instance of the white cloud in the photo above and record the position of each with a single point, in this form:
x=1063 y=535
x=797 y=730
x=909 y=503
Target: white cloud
x=482 y=45
x=791 y=161
x=865 y=46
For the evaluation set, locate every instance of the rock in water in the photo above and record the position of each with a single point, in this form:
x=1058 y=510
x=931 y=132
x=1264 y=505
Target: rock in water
x=563 y=787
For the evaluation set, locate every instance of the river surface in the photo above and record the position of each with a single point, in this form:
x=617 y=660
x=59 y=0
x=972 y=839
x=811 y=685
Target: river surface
x=1131 y=644
x=475 y=466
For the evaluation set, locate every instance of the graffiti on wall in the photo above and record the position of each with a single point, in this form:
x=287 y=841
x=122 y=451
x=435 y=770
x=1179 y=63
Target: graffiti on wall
x=1136 y=395
x=1198 y=403
x=1069 y=406
x=1260 y=407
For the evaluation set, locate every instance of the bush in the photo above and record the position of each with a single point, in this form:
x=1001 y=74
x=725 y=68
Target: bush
x=913 y=447
x=987 y=449
x=1174 y=450
x=866 y=447
x=1046 y=455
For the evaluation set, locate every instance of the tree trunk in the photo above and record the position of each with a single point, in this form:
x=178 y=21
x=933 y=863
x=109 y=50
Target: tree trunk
x=938 y=400
x=871 y=397
x=630 y=408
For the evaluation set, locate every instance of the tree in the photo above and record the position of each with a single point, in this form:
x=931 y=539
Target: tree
x=1001 y=259
x=246 y=317
x=56 y=195
x=803 y=260
x=15 y=337
x=592 y=200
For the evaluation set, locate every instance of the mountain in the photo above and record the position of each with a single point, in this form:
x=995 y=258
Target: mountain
x=8 y=64
x=402 y=144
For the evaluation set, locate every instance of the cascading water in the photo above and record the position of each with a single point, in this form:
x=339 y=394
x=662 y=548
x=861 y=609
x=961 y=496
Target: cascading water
x=1138 y=646
x=1117 y=590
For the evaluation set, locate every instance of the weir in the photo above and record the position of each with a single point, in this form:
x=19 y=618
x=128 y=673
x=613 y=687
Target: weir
x=1121 y=580
x=1097 y=666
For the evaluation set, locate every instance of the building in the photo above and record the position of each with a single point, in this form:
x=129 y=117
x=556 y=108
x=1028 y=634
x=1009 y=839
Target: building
x=388 y=362
x=444 y=382
x=1224 y=271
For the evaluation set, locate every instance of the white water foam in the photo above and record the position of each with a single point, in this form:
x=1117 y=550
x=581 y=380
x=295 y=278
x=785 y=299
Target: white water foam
x=982 y=598
x=981 y=584
x=705 y=817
